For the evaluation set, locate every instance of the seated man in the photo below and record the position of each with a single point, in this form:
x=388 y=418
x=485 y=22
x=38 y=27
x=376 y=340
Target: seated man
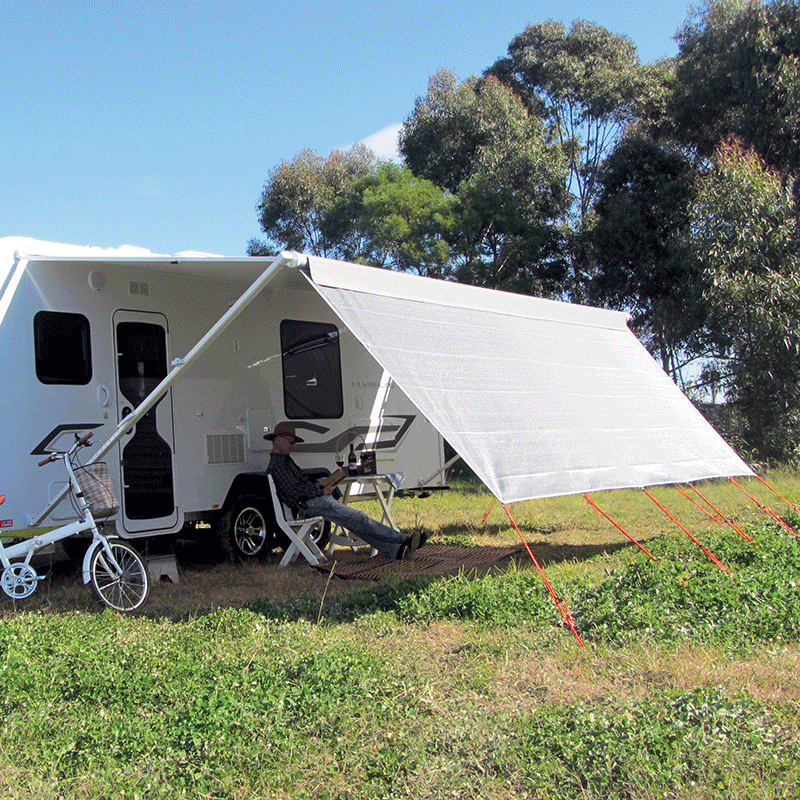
x=309 y=499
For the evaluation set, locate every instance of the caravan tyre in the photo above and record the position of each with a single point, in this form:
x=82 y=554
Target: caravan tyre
x=245 y=530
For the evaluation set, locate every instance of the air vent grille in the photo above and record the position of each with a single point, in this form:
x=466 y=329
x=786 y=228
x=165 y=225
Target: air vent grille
x=140 y=287
x=225 y=448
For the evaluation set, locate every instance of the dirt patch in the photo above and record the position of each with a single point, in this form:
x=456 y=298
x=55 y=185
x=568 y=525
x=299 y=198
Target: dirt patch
x=206 y=581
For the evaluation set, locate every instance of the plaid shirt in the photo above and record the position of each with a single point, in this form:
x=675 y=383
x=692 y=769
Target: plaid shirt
x=291 y=484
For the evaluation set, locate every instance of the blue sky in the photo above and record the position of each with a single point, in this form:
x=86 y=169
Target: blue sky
x=157 y=123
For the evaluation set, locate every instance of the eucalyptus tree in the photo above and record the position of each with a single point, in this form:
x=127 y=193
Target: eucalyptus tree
x=389 y=218
x=640 y=245
x=478 y=141
x=585 y=83
x=298 y=193
x=738 y=74
x=744 y=233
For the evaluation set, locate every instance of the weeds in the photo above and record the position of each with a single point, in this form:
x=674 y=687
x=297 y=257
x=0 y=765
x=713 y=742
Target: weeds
x=702 y=743
x=461 y=687
x=689 y=597
x=234 y=705
x=513 y=597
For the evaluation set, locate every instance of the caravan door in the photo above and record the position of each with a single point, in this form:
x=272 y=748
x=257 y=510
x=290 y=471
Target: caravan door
x=146 y=450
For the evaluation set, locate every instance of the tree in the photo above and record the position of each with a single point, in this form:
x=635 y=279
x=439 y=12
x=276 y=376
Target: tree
x=441 y=139
x=479 y=142
x=588 y=84
x=391 y=219
x=299 y=192
x=639 y=244
x=745 y=233
x=738 y=74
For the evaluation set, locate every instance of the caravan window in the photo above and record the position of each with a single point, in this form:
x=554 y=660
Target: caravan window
x=312 y=370
x=62 y=349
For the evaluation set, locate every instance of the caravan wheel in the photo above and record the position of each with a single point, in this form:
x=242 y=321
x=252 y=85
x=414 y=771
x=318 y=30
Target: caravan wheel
x=245 y=531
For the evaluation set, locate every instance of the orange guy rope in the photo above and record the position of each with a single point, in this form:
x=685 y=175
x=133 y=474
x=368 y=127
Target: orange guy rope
x=715 y=517
x=704 y=549
x=775 y=491
x=768 y=511
x=488 y=511
x=731 y=523
x=599 y=511
x=561 y=604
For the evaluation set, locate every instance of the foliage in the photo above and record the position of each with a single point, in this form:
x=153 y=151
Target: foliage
x=234 y=705
x=687 y=597
x=745 y=236
x=639 y=243
x=299 y=192
x=477 y=141
x=197 y=709
x=586 y=83
x=411 y=689
x=441 y=139
x=389 y=218
x=663 y=746
x=570 y=169
x=735 y=106
x=738 y=75
x=502 y=598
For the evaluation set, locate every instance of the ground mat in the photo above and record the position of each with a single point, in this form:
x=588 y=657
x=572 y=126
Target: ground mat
x=433 y=559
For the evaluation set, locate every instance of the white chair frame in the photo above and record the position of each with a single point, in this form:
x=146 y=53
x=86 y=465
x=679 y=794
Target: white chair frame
x=299 y=532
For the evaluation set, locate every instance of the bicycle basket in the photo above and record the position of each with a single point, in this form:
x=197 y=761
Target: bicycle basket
x=95 y=482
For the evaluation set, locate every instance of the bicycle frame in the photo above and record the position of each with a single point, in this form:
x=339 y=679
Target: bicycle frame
x=19 y=579
x=28 y=548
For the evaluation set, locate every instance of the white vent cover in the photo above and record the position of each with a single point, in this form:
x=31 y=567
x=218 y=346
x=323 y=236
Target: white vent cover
x=140 y=288
x=225 y=448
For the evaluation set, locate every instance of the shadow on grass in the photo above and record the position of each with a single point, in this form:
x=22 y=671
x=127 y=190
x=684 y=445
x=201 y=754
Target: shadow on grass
x=382 y=596
x=548 y=553
x=490 y=530
x=208 y=582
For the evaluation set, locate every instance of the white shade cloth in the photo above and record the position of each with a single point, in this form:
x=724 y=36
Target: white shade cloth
x=540 y=398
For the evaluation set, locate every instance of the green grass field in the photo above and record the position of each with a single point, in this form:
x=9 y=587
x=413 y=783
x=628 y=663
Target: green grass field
x=465 y=686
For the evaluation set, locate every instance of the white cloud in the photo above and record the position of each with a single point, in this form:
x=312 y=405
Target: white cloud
x=384 y=142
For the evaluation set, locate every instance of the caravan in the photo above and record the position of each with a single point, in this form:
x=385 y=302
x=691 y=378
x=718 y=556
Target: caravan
x=182 y=364
x=93 y=340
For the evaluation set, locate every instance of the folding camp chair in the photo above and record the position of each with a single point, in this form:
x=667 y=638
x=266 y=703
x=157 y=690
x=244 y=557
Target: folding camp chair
x=299 y=532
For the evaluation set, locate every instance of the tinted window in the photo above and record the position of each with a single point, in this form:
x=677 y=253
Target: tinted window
x=61 y=344
x=142 y=359
x=312 y=372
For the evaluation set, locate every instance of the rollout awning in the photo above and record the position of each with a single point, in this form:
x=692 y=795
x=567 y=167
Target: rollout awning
x=540 y=398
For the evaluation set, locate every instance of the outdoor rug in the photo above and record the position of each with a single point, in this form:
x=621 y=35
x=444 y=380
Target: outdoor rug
x=433 y=559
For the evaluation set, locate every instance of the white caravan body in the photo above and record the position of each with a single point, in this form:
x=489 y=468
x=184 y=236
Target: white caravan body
x=86 y=334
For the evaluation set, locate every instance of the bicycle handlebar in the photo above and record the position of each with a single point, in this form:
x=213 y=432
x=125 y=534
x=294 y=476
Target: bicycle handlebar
x=82 y=441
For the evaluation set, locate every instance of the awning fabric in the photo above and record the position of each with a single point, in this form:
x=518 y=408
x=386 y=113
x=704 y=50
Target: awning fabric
x=540 y=398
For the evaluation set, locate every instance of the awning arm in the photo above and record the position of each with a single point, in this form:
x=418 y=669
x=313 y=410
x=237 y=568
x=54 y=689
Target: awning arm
x=439 y=471
x=179 y=365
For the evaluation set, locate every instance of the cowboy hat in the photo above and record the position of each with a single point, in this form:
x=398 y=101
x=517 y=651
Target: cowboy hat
x=283 y=429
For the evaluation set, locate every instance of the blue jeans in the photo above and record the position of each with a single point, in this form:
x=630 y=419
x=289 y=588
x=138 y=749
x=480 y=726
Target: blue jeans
x=384 y=539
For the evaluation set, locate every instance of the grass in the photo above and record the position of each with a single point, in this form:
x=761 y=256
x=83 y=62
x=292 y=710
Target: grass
x=246 y=683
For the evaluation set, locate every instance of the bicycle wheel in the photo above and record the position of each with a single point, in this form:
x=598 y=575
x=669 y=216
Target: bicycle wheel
x=125 y=589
